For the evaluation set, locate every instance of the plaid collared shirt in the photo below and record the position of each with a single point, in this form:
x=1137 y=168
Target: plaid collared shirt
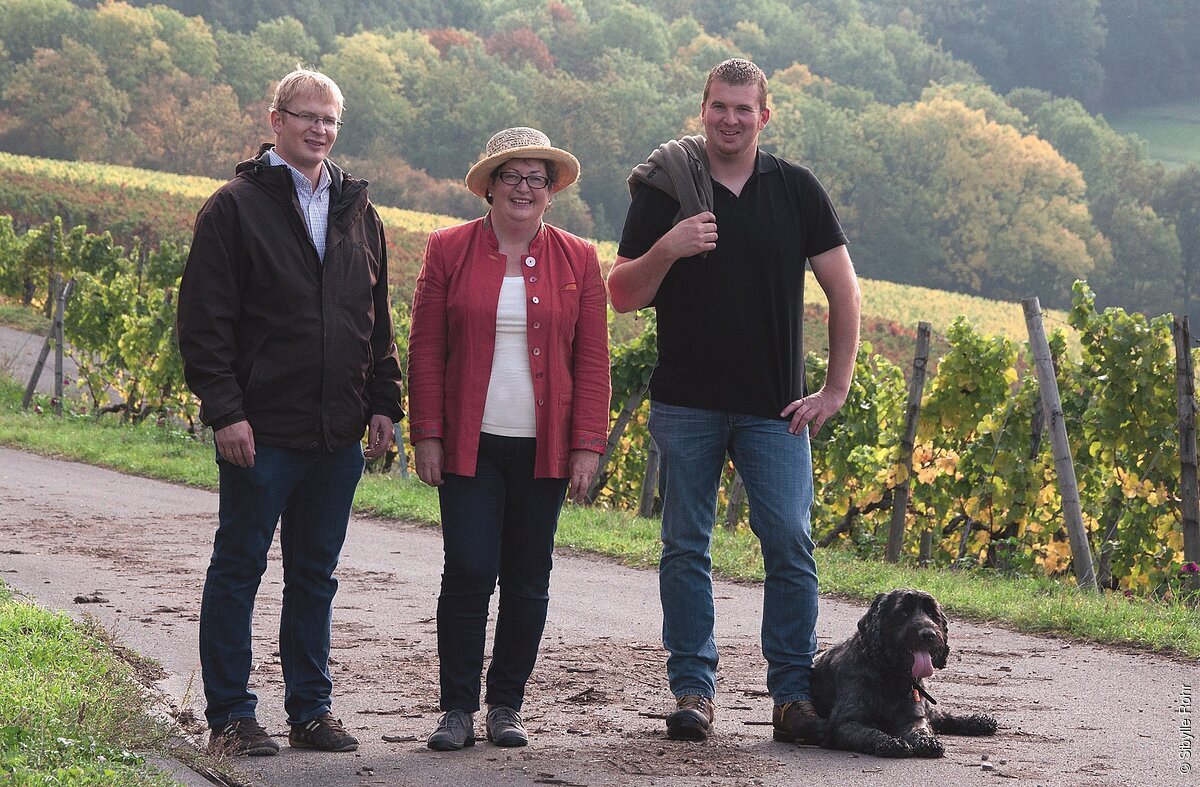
x=314 y=203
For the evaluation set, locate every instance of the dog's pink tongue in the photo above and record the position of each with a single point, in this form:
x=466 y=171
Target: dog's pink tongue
x=922 y=664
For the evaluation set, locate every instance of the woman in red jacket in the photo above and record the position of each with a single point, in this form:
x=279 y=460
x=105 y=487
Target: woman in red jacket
x=508 y=412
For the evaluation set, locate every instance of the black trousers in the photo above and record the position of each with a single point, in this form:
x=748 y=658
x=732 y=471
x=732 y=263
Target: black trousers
x=499 y=524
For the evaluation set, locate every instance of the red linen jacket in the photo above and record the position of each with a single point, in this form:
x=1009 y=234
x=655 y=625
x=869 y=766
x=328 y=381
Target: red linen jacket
x=453 y=338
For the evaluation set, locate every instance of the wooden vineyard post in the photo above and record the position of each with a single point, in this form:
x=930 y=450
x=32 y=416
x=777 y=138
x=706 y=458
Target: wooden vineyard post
x=737 y=496
x=912 y=414
x=401 y=449
x=59 y=342
x=650 y=482
x=53 y=336
x=614 y=437
x=1185 y=394
x=1068 y=487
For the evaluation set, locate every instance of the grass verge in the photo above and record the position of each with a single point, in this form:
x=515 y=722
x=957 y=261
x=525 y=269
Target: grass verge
x=1027 y=604
x=70 y=711
x=23 y=318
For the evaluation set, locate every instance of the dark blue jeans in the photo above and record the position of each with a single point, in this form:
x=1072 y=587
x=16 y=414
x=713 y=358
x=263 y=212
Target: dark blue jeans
x=499 y=523
x=309 y=494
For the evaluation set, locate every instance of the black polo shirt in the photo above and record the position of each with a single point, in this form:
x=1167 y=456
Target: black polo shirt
x=730 y=324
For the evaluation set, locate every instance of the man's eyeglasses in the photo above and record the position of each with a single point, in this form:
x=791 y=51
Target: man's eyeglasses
x=308 y=118
x=510 y=178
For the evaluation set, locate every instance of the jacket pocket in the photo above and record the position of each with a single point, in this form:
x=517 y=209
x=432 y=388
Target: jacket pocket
x=568 y=305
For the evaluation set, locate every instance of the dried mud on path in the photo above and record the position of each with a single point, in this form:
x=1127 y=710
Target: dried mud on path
x=131 y=553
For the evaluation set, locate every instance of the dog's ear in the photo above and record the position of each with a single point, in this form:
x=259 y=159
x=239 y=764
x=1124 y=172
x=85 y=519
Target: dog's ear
x=941 y=654
x=873 y=613
x=870 y=627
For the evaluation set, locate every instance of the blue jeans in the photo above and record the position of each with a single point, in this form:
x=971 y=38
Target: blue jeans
x=776 y=468
x=499 y=523
x=309 y=493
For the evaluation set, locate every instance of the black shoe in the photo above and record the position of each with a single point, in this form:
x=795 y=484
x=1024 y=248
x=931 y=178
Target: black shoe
x=693 y=719
x=504 y=727
x=242 y=736
x=324 y=732
x=455 y=730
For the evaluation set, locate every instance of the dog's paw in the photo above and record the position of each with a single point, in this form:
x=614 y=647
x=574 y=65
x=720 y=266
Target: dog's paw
x=979 y=724
x=924 y=745
x=892 y=747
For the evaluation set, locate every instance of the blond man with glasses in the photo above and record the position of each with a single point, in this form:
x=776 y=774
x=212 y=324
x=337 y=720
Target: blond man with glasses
x=286 y=336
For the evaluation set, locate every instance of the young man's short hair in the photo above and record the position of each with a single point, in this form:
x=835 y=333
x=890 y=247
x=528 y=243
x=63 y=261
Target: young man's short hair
x=738 y=71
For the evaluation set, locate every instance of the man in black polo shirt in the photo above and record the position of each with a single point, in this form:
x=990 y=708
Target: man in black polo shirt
x=728 y=287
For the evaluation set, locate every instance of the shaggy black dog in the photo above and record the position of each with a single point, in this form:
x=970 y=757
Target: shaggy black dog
x=870 y=686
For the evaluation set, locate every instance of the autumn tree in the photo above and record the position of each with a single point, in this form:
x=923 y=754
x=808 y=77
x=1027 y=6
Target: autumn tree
x=520 y=47
x=1005 y=212
x=188 y=122
x=64 y=105
x=189 y=40
x=126 y=39
x=1114 y=166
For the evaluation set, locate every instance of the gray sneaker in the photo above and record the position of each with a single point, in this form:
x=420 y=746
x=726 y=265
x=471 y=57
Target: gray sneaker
x=455 y=730
x=504 y=727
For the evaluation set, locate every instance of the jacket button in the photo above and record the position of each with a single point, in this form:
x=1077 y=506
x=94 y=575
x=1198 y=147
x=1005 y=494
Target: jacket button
x=541 y=402
x=540 y=375
x=537 y=351
x=530 y=261
x=532 y=279
x=537 y=325
x=535 y=299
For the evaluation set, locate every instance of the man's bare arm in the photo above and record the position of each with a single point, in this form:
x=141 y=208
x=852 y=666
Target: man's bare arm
x=835 y=273
x=632 y=283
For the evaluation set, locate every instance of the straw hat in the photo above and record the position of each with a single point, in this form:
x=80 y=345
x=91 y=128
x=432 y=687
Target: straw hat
x=521 y=142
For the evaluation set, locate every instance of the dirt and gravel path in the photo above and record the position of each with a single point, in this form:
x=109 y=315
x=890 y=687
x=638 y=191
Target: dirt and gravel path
x=132 y=552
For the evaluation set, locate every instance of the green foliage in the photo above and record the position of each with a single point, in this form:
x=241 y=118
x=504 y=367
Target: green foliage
x=69 y=711
x=1150 y=53
x=26 y=25
x=121 y=327
x=1020 y=42
x=632 y=362
x=1127 y=439
x=859 y=447
x=427 y=83
x=120 y=321
x=983 y=481
x=1176 y=202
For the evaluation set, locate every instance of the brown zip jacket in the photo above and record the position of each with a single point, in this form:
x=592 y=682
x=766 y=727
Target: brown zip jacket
x=302 y=349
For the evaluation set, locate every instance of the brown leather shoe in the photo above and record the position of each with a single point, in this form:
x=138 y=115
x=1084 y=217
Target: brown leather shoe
x=692 y=720
x=798 y=722
x=242 y=736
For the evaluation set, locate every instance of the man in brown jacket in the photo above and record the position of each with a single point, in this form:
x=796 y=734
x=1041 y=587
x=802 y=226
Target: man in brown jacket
x=286 y=337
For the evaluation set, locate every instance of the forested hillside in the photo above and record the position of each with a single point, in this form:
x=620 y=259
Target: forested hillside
x=956 y=136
